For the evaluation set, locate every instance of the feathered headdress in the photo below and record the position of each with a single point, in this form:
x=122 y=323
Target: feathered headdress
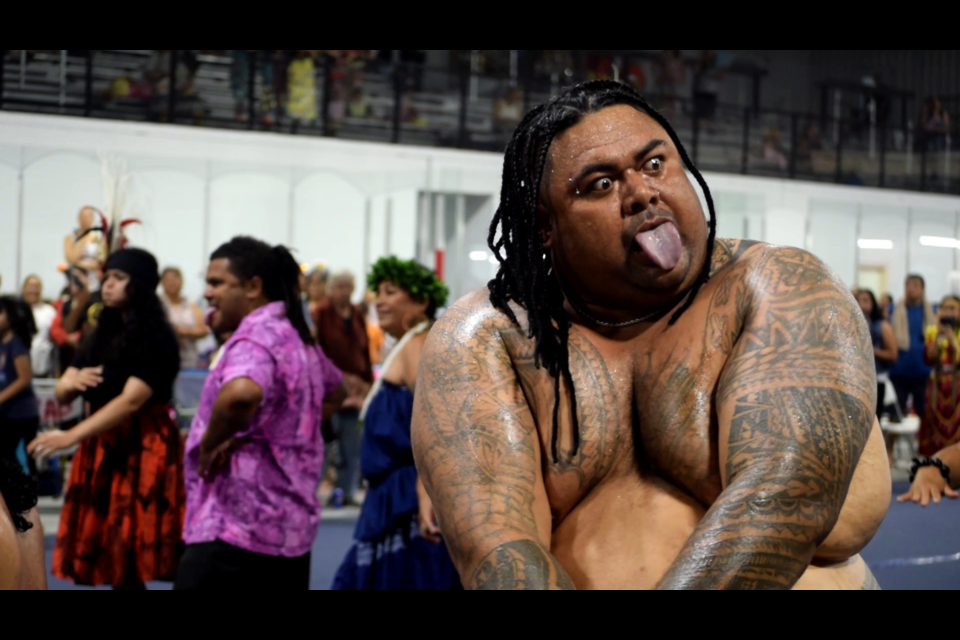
x=117 y=182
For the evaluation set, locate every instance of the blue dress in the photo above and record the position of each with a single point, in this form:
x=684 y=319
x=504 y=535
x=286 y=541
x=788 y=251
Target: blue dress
x=388 y=551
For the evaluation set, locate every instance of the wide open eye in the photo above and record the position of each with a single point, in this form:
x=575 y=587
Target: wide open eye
x=601 y=184
x=654 y=164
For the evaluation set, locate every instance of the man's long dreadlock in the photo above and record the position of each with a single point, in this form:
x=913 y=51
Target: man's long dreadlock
x=525 y=269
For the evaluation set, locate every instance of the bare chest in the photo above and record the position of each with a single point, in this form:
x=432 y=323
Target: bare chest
x=645 y=408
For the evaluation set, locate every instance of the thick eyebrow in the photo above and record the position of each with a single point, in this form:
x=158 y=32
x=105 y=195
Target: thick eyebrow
x=608 y=166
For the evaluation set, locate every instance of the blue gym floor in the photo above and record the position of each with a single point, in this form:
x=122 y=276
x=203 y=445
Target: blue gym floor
x=915 y=548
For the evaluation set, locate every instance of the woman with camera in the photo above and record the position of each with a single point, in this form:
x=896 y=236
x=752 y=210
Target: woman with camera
x=940 y=424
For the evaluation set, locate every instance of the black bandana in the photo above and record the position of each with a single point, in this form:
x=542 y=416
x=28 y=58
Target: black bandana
x=140 y=265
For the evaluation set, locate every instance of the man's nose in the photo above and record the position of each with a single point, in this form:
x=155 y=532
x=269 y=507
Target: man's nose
x=639 y=193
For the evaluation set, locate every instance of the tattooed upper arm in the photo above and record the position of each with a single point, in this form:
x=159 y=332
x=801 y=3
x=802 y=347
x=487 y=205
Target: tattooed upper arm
x=796 y=404
x=478 y=454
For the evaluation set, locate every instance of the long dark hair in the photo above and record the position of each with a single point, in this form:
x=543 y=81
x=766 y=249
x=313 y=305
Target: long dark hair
x=118 y=338
x=278 y=270
x=20 y=316
x=525 y=275
x=876 y=313
x=19 y=491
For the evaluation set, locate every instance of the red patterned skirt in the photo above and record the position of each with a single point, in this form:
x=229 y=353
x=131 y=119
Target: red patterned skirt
x=122 y=520
x=940 y=426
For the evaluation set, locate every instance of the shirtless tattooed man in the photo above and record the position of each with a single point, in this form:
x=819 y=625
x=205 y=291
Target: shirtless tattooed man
x=634 y=403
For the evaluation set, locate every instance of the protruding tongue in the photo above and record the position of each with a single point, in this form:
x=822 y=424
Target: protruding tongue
x=662 y=245
x=208 y=316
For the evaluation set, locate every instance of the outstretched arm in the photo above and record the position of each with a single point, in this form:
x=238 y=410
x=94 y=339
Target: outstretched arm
x=796 y=405
x=478 y=456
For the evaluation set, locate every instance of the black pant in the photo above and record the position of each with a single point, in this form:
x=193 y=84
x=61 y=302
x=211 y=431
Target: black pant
x=218 y=566
x=916 y=387
x=12 y=432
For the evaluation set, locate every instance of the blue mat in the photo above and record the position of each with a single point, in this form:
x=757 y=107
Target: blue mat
x=915 y=548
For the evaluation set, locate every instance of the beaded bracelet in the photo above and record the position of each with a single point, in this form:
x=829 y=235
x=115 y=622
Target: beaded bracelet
x=929 y=462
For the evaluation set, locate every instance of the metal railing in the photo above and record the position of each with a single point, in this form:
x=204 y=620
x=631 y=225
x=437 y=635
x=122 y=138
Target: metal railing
x=413 y=104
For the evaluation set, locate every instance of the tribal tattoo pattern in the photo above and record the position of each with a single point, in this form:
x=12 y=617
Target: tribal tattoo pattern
x=796 y=403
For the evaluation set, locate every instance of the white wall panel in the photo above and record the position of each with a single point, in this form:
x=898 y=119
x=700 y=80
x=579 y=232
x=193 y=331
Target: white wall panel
x=933 y=263
x=832 y=236
x=56 y=186
x=329 y=222
x=403 y=244
x=250 y=204
x=9 y=231
x=173 y=223
x=886 y=223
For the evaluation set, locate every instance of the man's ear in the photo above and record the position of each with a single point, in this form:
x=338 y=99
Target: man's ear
x=546 y=226
x=253 y=287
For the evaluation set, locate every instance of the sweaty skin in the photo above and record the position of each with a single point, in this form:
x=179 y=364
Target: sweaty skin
x=734 y=449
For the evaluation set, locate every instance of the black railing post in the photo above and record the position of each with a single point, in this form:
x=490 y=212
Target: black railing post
x=883 y=155
x=838 y=174
x=88 y=86
x=794 y=132
x=3 y=64
x=756 y=93
x=464 y=97
x=745 y=150
x=326 y=94
x=252 y=89
x=172 y=88
x=398 y=82
x=923 y=163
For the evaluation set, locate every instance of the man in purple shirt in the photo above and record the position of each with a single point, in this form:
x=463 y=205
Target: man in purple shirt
x=255 y=452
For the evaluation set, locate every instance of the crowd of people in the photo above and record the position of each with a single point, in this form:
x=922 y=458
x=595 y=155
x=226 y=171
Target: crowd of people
x=293 y=374
x=493 y=439
x=917 y=353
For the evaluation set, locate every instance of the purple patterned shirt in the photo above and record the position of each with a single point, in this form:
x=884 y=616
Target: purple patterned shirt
x=266 y=502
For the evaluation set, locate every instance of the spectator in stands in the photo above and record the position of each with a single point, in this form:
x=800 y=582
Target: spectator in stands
x=912 y=315
x=706 y=84
x=509 y=110
x=671 y=76
x=19 y=412
x=157 y=72
x=240 y=83
x=773 y=150
x=935 y=124
x=342 y=334
x=358 y=107
x=185 y=317
x=302 y=88
x=807 y=143
x=940 y=422
x=42 y=349
x=409 y=113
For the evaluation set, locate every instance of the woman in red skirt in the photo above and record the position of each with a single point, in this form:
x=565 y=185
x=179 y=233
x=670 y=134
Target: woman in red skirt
x=122 y=519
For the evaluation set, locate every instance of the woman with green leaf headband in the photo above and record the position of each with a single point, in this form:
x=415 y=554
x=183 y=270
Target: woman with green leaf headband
x=397 y=542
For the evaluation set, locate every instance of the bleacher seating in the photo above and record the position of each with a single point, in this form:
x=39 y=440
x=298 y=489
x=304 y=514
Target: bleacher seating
x=54 y=82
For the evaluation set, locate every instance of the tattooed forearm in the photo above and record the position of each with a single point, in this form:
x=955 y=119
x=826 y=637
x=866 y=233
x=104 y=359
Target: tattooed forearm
x=476 y=448
x=523 y=565
x=796 y=403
